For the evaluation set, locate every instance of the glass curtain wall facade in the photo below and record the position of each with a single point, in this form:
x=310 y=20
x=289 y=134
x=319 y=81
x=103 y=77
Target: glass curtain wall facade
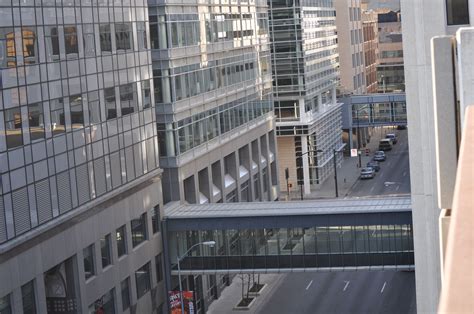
x=305 y=69
x=77 y=129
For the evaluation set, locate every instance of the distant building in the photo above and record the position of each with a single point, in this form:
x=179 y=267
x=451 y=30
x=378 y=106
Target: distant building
x=350 y=47
x=371 y=49
x=390 y=68
x=305 y=74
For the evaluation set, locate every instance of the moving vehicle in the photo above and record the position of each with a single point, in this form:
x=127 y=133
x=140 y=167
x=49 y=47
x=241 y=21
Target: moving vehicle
x=374 y=164
x=379 y=156
x=401 y=127
x=367 y=173
x=385 y=144
x=392 y=137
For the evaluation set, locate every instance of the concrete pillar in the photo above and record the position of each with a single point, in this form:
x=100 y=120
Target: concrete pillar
x=304 y=151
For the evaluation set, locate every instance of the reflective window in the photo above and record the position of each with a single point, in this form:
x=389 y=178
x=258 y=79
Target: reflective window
x=457 y=12
x=105 y=251
x=110 y=103
x=142 y=278
x=70 y=39
x=123 y=36
x=88 y=255
x=105 y=38
x=57 y=116
x=52 y=43
x=88 y=35
x=125 y=290
x=141 y=36
x=146 y=94
x=121 y=241
x=14 y=135
x=28 y=298
x=36 y=121
x=139 y=230
x=128 y=98
x=29 y=46
x=155 y=219
x=5 y=305
x=94 y=107
x=159 y=267
x=7 y=48
x=77 y=115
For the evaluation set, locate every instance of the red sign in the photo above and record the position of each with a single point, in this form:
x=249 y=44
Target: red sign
x=175 y=302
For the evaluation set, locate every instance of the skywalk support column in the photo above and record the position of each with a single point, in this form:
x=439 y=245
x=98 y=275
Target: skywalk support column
x=305 y=165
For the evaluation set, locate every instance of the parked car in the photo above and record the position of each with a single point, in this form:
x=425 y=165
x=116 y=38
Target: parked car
x=379 y=156
x=385 y=144
x=392 y=137
x=401 y=127
x=367 y=173
x=374 y=164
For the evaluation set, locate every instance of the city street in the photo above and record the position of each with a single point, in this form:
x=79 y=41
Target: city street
x=394 y=174
x=343 y=292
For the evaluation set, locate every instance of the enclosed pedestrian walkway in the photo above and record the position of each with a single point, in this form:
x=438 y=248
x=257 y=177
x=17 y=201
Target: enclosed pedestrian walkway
x=372 y=233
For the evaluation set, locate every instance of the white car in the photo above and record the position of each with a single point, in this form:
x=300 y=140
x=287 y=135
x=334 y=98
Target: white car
x=367 y=173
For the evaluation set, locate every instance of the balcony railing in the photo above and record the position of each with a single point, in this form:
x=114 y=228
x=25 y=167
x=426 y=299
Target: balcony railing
x=457 y=294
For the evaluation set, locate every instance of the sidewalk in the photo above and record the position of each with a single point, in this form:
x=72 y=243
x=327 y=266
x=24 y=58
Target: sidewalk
x=347 y=174
x=232 y=295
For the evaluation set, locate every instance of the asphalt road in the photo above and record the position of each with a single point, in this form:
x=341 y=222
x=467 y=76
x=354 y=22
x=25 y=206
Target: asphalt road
x=352 y=292
x=363 y=292
x=394 y=174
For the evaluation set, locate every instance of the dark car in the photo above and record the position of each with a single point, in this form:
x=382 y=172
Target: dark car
x=374 y=164
x=379 y=156
x=401 y=127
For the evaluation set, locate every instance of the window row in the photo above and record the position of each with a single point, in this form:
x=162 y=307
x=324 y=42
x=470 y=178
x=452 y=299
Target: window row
x=202 y=80
x=191 y=132
x=356 y=36
x=64 y=42
x=126 y=98
x=139 y=234
x=180 y=30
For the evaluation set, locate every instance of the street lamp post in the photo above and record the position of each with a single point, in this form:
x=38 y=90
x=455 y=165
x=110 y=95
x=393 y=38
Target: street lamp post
x=180 y=258
x=300 y=182
x=358 y=138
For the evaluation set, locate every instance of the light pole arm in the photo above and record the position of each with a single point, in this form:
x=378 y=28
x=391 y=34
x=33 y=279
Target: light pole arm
x=180 y=258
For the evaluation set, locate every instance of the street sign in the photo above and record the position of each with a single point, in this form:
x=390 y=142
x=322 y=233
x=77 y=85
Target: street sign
x=354 y=152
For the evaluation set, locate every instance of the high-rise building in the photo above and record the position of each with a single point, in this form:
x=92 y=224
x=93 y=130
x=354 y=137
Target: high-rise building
x=305 y=74
x=213 y=93
x=390 y=69
x=80 y=189
x=371 y=48
x=428 y=89
x=350 y=47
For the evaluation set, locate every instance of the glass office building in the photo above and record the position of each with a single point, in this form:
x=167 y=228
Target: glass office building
x=213 y=94
x=78 y=154
x=305 y=70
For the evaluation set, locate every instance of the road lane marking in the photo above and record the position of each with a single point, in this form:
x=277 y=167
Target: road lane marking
x=309 y=285
x=373 y=233
x=347 y=284
x=381 y=291
x=397 y=187
x=372 y=189
x=404 y=173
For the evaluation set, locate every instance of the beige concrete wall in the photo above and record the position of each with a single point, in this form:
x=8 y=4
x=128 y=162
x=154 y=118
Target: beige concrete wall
x=287 y=159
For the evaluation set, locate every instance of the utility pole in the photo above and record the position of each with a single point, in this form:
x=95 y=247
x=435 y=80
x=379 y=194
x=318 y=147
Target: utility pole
x=287 y=176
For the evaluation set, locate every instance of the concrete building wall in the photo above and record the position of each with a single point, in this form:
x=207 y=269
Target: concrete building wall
x=32 y=260
x=422 y=20
x=371 y=48
x=286 y=158
x=350 y=46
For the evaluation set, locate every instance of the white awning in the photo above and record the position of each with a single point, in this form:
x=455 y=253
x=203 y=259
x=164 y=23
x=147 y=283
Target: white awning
x=203 y=199
x=271 y=156
x=243 y=171
x=228 y=180
x=215 y=190
x=254 y=165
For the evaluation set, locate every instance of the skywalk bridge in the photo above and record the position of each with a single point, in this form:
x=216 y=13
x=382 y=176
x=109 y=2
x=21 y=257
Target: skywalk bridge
x=264 y=237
